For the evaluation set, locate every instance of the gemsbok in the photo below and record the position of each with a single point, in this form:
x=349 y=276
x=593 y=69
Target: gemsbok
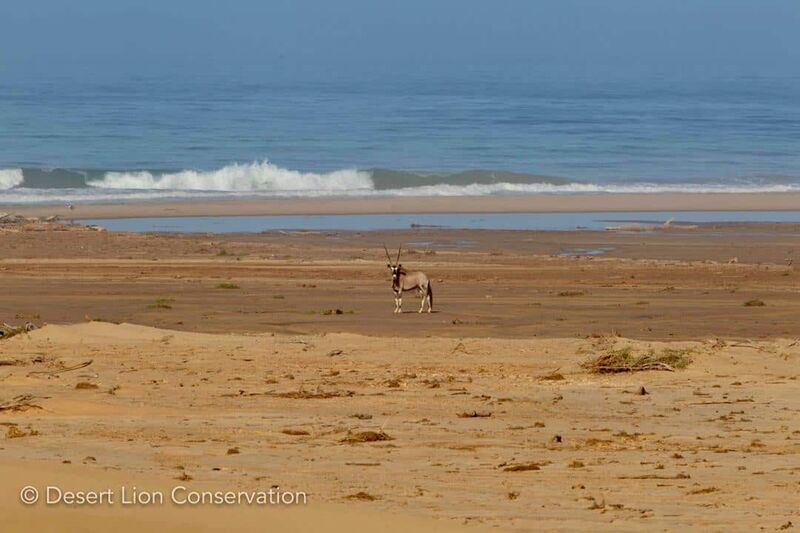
x=403 y=281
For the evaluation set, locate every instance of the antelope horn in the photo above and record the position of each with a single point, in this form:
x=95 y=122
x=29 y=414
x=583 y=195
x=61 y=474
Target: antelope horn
x=387 y=254
x=398 y=254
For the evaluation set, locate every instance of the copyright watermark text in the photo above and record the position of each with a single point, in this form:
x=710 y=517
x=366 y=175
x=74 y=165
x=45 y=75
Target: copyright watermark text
x=179 y=495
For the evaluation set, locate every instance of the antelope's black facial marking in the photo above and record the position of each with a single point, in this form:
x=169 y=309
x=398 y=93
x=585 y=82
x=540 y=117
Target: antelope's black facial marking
x=396 y=271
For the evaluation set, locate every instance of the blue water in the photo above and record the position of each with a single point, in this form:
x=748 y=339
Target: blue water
x=493 y=221
x=480 y=133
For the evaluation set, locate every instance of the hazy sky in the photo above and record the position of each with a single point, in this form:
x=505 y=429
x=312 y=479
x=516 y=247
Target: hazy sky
x=258 y=38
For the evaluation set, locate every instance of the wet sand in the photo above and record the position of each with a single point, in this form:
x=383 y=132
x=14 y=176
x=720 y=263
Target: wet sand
x=237 y=345
x=541 y=203
x=661 y=286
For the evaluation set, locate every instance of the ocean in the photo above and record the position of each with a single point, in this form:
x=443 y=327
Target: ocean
x=478 y=133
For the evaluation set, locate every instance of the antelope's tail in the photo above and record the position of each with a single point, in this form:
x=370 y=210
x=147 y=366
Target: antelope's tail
x=430 y=295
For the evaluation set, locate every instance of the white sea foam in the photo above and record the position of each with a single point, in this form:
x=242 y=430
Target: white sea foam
x=10 y=177
x=486 y=189
x=263 y=176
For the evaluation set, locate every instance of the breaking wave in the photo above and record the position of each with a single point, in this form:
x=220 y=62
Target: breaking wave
x=262 y=176
x=10 y=177
x=267 y=180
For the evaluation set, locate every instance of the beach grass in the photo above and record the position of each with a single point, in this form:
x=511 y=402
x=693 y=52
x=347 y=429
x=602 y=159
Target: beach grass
x=625 y=360
x=162 y=303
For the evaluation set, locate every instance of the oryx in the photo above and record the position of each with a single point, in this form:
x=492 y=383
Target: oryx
x=403 y=281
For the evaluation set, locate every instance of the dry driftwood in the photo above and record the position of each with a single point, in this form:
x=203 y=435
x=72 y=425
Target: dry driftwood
x=61 y=370
x=22 y=402
x=524 y=467
x=610 y=369
x=748 y=344
x=474 y=414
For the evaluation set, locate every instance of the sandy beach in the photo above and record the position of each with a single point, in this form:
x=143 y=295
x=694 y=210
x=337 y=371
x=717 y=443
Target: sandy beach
x=243 y=361
x=425 y=204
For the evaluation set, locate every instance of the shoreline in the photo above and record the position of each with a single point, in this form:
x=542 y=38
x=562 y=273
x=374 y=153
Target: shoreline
x=681 y=202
